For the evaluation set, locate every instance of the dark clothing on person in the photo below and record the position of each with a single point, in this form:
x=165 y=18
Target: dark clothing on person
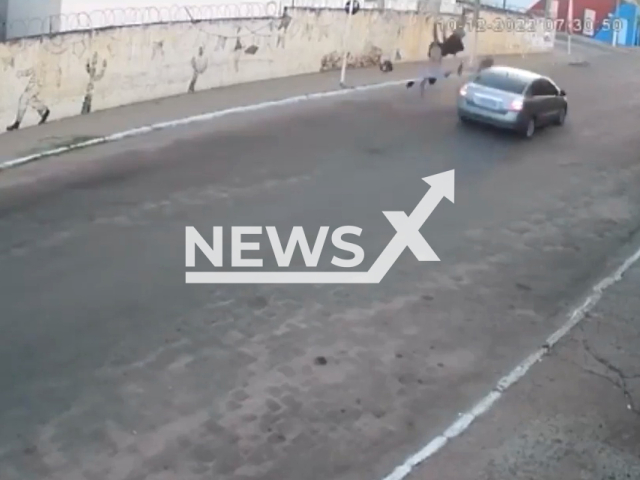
x=452 y=45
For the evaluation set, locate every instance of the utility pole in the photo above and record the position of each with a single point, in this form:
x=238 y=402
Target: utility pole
x=476 y=21
x=569 y=26
x=345 y=43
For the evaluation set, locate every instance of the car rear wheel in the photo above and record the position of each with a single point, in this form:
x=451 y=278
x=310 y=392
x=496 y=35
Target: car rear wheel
x=562 y=116
x=529 y=128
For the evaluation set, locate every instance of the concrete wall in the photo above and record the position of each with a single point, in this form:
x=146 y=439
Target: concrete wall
x=76 y=73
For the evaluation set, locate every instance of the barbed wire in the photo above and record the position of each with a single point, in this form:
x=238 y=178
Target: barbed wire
x=266 y=10
x=502 y=6
x=115 y=17
x=505 y=6
x=389 y=5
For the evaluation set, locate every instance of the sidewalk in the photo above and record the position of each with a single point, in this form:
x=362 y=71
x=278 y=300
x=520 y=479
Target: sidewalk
x=106 y=122
x=574 y=416
x=562 y=37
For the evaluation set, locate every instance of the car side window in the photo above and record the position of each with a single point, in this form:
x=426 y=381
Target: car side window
x=548 y=88
x=536 y=89
x=543 y=88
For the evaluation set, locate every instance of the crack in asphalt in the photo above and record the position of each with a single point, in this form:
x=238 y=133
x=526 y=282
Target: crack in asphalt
x=621 y=384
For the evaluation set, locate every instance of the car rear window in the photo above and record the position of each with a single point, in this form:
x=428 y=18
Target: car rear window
x=501 y=81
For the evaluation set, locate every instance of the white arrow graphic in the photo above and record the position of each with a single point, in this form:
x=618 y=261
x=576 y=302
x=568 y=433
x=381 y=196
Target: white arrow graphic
x=408 y=228
x=407 y=236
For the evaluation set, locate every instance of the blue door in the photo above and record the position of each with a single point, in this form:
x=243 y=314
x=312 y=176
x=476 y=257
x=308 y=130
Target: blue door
x=621 y=34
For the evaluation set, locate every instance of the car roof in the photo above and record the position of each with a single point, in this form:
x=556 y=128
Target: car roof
x=524 y=75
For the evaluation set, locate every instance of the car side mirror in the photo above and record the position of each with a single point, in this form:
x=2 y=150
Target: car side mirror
x=563 y=93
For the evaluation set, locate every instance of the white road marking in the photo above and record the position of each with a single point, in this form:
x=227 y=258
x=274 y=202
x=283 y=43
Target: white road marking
x=205 y=117
x=466 y=419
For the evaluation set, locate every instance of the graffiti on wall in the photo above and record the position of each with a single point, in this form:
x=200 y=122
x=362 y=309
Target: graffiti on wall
x=370 y=57
x=250 y=39
x=227 y=44
x=30 y=99
x=245 y=41
x=239 y=48
x=7 y=62
x=157 y=50
x=95 y=75
x=282 y=30
x=199 y=65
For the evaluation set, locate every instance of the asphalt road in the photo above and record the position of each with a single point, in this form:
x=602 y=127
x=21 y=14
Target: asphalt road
x=112 y=368
x=575 y=415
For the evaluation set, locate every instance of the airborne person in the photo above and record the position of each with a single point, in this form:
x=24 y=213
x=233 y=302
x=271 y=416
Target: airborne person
x=451 y=45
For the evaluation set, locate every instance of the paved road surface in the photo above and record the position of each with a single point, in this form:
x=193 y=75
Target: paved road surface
x=112 y=368
x=575 y=415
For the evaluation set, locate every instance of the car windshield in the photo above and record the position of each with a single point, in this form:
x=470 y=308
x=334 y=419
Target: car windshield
x=501 y=81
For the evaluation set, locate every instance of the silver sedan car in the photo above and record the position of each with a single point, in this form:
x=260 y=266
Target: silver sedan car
x=513 y=99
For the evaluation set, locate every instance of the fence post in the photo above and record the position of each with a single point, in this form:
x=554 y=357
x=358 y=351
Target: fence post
x=345 y=43
x=476 y=20
x=569 y=26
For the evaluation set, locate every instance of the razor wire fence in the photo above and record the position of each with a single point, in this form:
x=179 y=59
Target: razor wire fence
x=503 y=6
x=116 y=17
x=399 y=5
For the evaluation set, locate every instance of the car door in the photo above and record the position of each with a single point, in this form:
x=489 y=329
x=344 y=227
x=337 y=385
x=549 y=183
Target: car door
x=558 y=96
x=550 y=100
x=535 y=101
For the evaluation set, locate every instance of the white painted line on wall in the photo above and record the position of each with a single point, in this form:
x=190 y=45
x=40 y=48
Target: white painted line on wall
x=135 y=132
x=465 y=420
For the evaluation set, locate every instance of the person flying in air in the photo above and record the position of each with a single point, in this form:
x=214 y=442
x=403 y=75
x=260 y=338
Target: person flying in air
x=449 y=46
